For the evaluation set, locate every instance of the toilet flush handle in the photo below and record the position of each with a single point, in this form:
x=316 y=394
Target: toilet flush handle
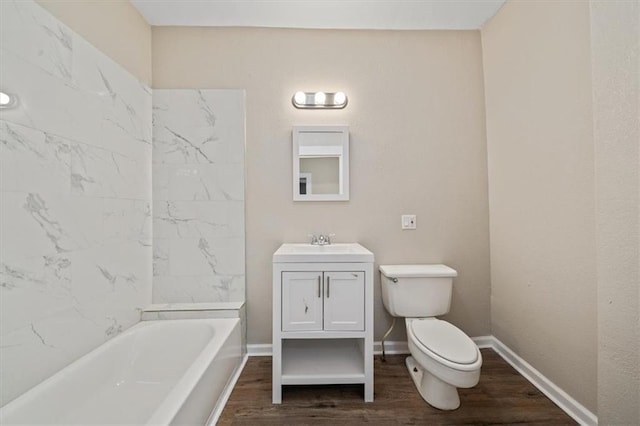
x=395 y=280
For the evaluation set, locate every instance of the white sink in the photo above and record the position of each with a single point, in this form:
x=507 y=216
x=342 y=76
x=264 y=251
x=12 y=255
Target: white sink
x=340 y=252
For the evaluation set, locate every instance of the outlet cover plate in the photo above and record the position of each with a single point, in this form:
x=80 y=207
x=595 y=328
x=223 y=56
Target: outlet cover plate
x=408 y=221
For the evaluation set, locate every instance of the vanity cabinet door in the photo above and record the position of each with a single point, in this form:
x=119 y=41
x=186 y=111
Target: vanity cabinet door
x=344 y=301
x=302 y=301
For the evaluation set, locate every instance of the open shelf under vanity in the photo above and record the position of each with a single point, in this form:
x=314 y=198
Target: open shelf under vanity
x=322 y=361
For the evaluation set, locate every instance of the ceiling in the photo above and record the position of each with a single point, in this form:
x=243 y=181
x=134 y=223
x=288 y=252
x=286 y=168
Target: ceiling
x=335 y=14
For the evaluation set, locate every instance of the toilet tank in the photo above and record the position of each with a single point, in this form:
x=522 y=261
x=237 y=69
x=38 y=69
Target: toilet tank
x=416 y=291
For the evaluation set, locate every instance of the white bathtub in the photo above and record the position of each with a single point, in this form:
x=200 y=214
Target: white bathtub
x=157 y=372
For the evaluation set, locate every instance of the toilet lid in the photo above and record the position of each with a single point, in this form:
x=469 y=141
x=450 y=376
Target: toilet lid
x=445 y=340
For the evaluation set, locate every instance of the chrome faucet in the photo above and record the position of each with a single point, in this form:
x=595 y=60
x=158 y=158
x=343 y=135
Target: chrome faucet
x=321 y=239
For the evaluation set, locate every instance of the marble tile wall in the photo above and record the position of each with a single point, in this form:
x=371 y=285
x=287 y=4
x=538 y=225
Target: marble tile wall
x=198 y=196
x=75 y=198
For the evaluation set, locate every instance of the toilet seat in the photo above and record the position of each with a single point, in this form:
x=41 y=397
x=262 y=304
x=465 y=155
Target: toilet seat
x=445 y=340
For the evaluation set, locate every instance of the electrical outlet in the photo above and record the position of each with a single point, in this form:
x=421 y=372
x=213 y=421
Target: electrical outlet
x=408 y=221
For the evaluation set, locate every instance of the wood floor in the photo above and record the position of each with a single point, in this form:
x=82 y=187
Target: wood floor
x=502 y=397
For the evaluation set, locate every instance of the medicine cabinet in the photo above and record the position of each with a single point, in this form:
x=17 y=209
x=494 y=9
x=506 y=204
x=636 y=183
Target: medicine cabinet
x=320 y=163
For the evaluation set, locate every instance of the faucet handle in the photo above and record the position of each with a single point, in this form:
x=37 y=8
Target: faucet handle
x=324 y=239
x=314 y=238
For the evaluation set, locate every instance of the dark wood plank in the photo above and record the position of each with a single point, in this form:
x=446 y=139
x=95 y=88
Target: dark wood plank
x=502 y=397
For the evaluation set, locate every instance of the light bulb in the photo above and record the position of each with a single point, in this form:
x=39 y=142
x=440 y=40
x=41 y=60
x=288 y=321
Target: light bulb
x=319 y=98
x=300 y=98
x=339 y=98
x=5 y=99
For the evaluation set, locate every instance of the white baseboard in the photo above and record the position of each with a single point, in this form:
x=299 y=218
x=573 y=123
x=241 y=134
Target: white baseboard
x=390 y=348
x=259 y=349
x=483 y=342
x=562 y=399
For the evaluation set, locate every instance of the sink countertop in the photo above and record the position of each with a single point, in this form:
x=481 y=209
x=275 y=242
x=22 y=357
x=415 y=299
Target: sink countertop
x=338 y=252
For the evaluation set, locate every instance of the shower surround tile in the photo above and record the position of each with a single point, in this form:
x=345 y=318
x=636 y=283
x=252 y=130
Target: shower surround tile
x=101 y=173
x=126 y=220
x=38 y=37
x=34 y=224
x=185 y=219
x=195 y=182
x=46 y=346
x=25 y=161
x=198 y=196
x=75 y=197
x=198 y=126
x=192 y=289
x=36 y=287
x=206 y=256
x=48 y=103
x=117 y=103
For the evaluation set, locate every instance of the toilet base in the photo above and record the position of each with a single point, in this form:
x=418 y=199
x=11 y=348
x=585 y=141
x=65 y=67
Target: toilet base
x=434 y=391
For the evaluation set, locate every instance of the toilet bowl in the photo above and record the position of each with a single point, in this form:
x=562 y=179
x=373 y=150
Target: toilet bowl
x=443 y=358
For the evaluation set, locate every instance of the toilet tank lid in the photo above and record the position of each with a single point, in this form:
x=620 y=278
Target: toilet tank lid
x=417 y=271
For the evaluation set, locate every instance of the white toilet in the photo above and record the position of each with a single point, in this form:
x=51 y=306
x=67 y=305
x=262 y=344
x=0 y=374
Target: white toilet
x=443 y=358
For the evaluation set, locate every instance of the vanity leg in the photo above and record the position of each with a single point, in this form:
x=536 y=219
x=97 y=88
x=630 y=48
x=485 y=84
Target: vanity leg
x=276 y=381
x=368 y=370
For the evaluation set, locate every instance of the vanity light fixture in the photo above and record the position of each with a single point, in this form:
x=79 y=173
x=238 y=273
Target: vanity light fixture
x=8 y=100
x=319 y=100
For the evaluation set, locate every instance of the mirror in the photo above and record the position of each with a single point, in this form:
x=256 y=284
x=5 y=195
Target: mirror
x=320 y=163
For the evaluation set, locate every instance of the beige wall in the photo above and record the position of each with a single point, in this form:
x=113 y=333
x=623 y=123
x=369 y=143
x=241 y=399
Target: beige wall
x=115 y=27
x=615 y=50
x=541 y=189
x=416 y=117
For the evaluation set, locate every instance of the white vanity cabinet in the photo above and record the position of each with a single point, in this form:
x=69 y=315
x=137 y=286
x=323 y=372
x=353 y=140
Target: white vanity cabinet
x=330 y=300
x=322 y=316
